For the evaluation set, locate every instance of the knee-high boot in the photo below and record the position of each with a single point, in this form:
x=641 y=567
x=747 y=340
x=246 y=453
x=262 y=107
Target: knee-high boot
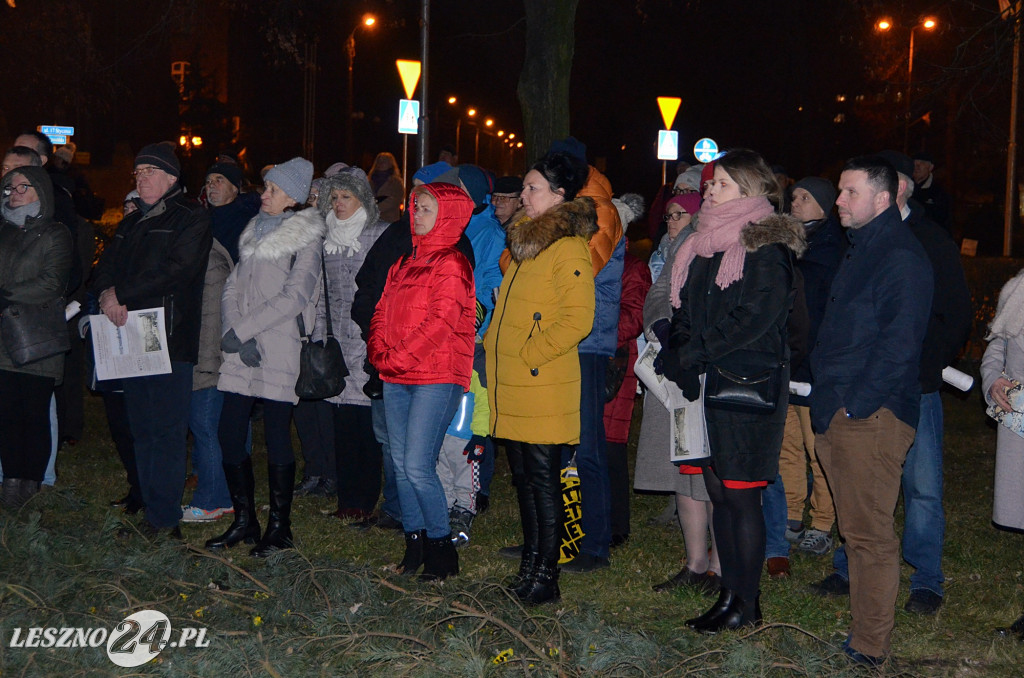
x=279 y=524
x=242 y=486
x=543 y=473
x=521 y=583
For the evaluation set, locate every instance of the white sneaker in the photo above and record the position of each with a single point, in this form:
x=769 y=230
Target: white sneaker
x=194 y=514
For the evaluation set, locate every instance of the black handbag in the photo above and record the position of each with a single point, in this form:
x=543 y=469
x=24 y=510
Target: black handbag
x=31 y=332
x=756 y=394
x=322 y=368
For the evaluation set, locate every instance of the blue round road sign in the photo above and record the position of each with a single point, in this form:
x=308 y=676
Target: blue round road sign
x=705 y=150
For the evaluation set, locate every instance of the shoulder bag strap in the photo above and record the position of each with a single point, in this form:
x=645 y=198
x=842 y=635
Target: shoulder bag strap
x=327 y=305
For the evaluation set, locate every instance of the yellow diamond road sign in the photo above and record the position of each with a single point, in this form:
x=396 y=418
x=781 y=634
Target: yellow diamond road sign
x=409 y=71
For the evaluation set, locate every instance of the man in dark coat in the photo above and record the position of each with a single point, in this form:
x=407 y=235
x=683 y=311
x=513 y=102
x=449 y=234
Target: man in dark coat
x=948 y=327
x=866 y=397
x=936 y=202
x=230 y=209
x=158 y=258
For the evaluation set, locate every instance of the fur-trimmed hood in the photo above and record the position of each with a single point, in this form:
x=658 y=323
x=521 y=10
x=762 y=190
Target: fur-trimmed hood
x=297 y=232
x=527 y=237
x=776 y=228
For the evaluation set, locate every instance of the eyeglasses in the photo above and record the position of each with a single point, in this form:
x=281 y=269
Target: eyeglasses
x=674 y=216
x=20 y=189
x=144 y=171
x=682 y=190
x=504 y=198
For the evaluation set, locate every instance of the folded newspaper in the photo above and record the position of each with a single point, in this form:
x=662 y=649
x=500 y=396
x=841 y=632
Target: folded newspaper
x=689 y=441
x=1014 y=419
x=136 y=349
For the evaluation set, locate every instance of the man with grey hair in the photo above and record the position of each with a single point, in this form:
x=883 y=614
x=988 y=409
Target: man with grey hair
x=866 y=398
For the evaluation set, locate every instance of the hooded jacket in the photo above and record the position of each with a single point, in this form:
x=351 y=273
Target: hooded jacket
x=423 y=327
x=545 y=307
x=35 y=264
x=277 y=278
x=158 y=258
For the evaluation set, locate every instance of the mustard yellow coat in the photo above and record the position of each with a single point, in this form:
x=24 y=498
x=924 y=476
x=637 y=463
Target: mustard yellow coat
x=545 y=308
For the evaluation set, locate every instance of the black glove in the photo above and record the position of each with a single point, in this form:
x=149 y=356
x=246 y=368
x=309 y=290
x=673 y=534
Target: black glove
x=662 y=328
x=474 y=450
x=230 y=343
x=689 y=383
x=249 y=354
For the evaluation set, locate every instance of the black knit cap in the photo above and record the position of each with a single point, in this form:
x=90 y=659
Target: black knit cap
x=229 y=171
x=900 y=162
x=161 y=156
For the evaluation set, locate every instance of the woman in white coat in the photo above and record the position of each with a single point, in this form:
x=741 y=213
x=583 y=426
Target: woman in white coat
x=1003 y=362
x=276 y=279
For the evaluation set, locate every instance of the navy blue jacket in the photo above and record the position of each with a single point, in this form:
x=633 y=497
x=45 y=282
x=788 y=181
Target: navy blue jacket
x=826 y=243
x=604 y=338
x=868 y=348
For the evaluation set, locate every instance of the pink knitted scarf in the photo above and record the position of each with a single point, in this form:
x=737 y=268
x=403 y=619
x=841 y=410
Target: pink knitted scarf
x=718 y=230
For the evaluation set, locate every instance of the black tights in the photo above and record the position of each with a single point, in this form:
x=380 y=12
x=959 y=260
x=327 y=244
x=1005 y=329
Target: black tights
x=739 y=534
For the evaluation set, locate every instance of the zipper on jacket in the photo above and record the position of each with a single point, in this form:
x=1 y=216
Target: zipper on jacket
x=497 y=336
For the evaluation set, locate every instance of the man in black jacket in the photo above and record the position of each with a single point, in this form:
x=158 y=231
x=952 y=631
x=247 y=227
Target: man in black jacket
x=866 y=398
x=158 y=258
x=948 y=327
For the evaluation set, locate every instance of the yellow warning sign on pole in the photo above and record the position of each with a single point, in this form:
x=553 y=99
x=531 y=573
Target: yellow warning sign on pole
x=409 y=71
x=669 y=107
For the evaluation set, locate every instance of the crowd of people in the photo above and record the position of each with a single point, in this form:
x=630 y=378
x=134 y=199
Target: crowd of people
x=481 y=313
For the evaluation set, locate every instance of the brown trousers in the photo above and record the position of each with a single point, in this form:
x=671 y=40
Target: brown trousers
x=863 y=461
x=797 y=448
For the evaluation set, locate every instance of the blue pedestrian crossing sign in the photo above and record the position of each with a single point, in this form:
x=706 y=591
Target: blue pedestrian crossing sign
x=705 y=150
x=668 y=144
x=408 y=116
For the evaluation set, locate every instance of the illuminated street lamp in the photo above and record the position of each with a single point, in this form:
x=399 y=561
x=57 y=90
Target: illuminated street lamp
x=367 y=21
x=929 y=24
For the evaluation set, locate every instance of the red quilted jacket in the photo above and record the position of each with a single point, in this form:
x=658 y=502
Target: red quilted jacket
x=422 y=331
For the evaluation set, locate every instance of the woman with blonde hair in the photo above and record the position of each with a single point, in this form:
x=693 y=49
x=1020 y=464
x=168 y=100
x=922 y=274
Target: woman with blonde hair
x=388 y=186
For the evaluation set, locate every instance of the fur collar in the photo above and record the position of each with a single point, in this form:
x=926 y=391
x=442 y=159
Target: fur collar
x=527 y=237
x=295 y=233
x=775 y=229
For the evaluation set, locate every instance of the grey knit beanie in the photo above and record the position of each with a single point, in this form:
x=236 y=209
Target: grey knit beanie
x=355 y=182
x=293 y=177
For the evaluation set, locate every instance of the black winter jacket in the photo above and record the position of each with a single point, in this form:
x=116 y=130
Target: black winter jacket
x=159 y=259
x=951 y=317
x=742 y=329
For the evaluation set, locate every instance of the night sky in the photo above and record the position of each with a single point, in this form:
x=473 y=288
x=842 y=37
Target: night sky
x=768 y=75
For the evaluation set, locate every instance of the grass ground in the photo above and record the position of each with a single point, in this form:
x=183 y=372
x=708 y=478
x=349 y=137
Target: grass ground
x=331 y=609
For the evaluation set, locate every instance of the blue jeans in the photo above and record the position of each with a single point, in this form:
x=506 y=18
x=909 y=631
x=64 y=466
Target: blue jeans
x=592 y=458
x=924 y=523
x=390 y=505
x=204 y=418
x=50 y=476
x=158 y=408
x=773 y=506
x=417 y=418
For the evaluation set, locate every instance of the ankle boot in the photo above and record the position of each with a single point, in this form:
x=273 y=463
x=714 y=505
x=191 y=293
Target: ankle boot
x=440 y=559
x=725 y=597
x=279 y=524
x=413 y=558
x=523 y=581
x=543 y=584
x=28 y=489
x=245 y=527
x=739 y=614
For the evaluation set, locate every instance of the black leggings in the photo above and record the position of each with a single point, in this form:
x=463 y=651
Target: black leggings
x=234 y=429
x=739 y=535
x=24 y=424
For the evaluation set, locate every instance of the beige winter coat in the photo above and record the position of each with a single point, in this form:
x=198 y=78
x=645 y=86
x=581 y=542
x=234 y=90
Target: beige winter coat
x=262 y=298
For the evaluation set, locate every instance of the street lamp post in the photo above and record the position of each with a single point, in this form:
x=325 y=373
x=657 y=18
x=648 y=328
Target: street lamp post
x=927 y=23
x=350 y=48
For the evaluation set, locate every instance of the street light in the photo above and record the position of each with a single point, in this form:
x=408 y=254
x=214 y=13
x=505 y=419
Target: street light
x=929 y=24
x=367 y=21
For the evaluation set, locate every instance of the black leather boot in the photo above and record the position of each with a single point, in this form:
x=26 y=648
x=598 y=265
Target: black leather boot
x=413 y=558
x=543 y=584
x=11 y=493
x=245 y=527
x=279 y=524
x=740 y=613
x=440 y=559
x=523 y=581
x=725 y=597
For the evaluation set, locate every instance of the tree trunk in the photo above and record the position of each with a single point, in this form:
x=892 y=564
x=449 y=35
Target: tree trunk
x=544 y=82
